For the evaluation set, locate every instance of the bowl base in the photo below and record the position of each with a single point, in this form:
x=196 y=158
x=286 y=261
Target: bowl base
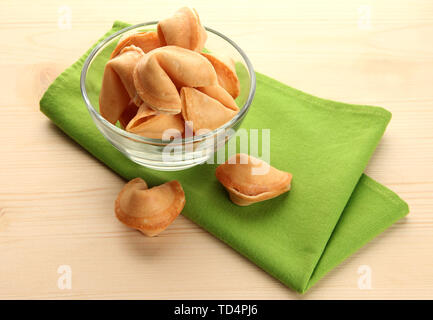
x=169 y=166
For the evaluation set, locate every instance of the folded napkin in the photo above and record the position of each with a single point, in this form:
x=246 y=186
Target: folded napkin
x=333 y=208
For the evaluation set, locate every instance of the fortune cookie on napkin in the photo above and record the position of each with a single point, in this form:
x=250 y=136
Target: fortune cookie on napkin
x=117 y=84
x=183 y=29
x=249 y=180
x=149 y=210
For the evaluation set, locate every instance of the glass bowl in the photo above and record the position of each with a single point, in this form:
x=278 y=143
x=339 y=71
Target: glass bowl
x=180 y=153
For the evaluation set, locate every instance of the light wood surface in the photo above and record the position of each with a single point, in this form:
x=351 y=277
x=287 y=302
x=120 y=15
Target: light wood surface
x=56 y=201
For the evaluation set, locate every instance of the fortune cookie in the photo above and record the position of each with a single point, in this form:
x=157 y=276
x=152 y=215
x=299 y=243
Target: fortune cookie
x=203 y=111
x=149 y=210
x=146 y=41
x=219 y=93
x=117 y=84
x=226 y=72
x=128 y=114
x=183 y=29
x=159 y=74
x=148 y=123
x=249 y=180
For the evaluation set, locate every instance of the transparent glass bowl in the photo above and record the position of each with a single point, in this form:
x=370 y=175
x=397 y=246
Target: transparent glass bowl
x=159 y=154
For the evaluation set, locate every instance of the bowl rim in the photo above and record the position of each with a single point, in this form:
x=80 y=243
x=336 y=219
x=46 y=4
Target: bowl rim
x=243 y=111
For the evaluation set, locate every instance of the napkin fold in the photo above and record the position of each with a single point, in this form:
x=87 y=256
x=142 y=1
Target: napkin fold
x=333 y=208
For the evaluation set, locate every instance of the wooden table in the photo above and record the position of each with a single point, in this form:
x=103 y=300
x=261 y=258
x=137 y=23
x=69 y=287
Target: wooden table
x=56 y=201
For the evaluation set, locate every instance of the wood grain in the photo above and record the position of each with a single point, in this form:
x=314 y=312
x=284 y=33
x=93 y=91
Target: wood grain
x=56 y=201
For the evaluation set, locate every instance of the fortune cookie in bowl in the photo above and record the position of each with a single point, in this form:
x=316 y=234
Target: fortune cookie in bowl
x=128 y=114
x=161 y=72
x=219 y=93
x=118 y=84
x=146 y=41
x=183 y=29
x=149 y=210
x=148 y=123
x=205 y=112
x=226 y=72
x=249 y=180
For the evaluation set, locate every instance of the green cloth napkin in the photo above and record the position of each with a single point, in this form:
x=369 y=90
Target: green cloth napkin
x=332 y=210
